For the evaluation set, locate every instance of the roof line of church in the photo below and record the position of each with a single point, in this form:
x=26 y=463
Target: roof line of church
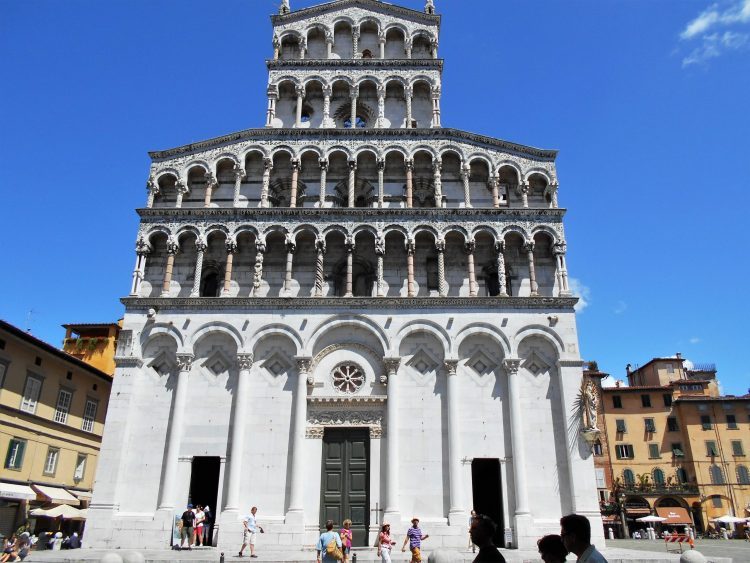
x=352 y=134
x=375 y=5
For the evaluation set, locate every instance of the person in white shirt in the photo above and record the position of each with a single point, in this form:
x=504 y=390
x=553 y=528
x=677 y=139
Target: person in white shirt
x=248 y=533
x=575 y=531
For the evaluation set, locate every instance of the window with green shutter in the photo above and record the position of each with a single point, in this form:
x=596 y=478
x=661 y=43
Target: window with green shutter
x=711 y=449
x=653 y=451
x=737 y=449
x=14 y=457
x=621 y=428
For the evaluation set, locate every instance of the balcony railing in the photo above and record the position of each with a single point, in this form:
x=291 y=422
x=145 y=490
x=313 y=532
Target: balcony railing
x=652 y=489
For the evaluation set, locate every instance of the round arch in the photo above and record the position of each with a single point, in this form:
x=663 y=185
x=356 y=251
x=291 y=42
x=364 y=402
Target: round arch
x=485 y=329
x=429 y=327
x=344 y=320
x=216 y=327
x=276 y=329
x=542 y=332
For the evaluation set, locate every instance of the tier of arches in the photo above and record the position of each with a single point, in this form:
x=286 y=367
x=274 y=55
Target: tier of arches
x=342 y=103
x=344 y=38
x=339 y=177
x=337 y=263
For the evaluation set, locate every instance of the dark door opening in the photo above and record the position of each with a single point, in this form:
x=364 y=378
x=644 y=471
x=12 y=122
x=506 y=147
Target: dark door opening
x=204 y=489
x=345 y=489
x=487 y=493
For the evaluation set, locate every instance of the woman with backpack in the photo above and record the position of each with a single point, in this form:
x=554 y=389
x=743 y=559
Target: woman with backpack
x=329 y=545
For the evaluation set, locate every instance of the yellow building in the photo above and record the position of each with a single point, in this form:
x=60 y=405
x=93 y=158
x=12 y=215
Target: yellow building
x=52 y=410
x=657 y=447
x=93 y=343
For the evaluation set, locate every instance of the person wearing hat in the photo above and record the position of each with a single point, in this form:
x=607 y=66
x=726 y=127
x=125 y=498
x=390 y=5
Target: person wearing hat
x=385 y=543
x=188 y=520
x=415 y=537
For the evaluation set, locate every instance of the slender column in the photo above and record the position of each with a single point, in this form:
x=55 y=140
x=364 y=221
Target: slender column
x=349 y=245
x=291 y=248
x=381 y=182
x=231 y=245
x=465 y=174
x=529 y=248
x=300 y=98
x=260 y=250
x=276 y=47
x=380 y=253
x=295 y=182
x=456 y=503
x=352 y=182
x=500 y=249
x=410 y=267
x=495 y=185
x=329 y=44
x=182 y=189
x=511 y=366
x=437 y=180
x=177 y=423
x=381 y=40
x=552 y=191
x=323 y=180
x=436 y=107
x=433 y=48
x=211 y=183
x=267 y=167
x=355 y=43
x=524 y=191
x=200 y=247
x=320 y=248
x=442 y=283
x=327 y=122
x=302 y=49
x=273 y=95
x=245 y=362
x=409 y=165
x=392 y=443
x=354 y=95
x=239 y=174
x=380 y=123
x=559 y=250
x=152 y=187
x=469 y=248
x=297 y=489
x=408 y=93
x=173 y=247
x=142 y=250
x=407 y=47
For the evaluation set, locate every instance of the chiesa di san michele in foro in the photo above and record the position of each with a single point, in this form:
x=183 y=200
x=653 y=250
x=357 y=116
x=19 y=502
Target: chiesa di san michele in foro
x=351 y=312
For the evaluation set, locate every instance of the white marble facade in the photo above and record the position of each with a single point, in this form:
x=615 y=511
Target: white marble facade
x=395 y=276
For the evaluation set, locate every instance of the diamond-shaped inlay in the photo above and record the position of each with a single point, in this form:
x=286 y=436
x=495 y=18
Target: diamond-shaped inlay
x=479 y=366
x=277 y=364
x=481 y=363
x=162 y=364
x=422 y=362
x=276 y=368
x=217 y=367
x=533 y=368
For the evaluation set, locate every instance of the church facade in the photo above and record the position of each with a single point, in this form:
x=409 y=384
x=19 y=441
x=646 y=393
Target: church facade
x=352 y=312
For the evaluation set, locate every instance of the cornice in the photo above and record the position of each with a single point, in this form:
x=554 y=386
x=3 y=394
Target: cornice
x=367 y=214
x=416 y=64
x=364 y=135
x=374 y=5
x=350 y=304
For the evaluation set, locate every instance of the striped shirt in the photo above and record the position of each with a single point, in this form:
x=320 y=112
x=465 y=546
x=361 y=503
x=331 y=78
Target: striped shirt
x=415 y=537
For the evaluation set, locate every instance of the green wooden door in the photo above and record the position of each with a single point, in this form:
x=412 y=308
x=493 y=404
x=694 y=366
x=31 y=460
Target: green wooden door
x=345 y=480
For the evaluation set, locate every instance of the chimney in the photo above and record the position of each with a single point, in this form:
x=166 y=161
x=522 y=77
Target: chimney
x=678 y=355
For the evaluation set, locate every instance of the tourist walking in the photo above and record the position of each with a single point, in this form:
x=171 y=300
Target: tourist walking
x=481 y=531
x=188 y=522
x=346 y=538
x=200 y=518
x=414 y=537
x=250 y=527
x=385 y=543
x=552 y=549
x=575 y=531
x=207 y=525
x=329 y=545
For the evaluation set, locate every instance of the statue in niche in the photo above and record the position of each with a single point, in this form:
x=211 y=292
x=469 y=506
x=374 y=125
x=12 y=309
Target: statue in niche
x=590 y=405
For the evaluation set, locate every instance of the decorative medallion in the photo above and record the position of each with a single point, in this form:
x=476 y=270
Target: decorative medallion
x=348 y=378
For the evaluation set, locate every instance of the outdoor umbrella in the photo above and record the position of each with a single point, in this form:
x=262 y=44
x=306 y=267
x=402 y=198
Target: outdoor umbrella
x=729 y=519
x=651 y=518
x=63 y=511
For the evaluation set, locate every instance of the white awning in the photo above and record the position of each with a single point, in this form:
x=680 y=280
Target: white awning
x=82 y=495
x=56 y=495
x=17 y=492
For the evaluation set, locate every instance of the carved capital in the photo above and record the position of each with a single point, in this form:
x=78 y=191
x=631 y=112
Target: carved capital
x=142 y=247
x=381 y=91
x=239 y=172
x=437 y=167
x=272 y=91
x=559 y=248
x=354 y=92
x=409 y=164
x=440 y=245
x=267 y=164
x=410 y=247
x=528 y=246
x=327 y=91
x=381 y=164
x=391 y=365
x=511 y=365
x=320 y=245
x=296 y=165
x=303 y=364
x=380 y=246
x=245 y=361
x=523 y=189
x=201 y=244
x=499 y=246
x=152 y=185
x=451 y=366
x=470 y=247
x=231 y=245
x=185 y=361
x=211 y=180
x=352 y=165
x=173 y=245
x=260 y=246
x=300 y=91
x=435 y=90
x=181 y=186
x=323 y=164
x=376 y=432
x=349 y=244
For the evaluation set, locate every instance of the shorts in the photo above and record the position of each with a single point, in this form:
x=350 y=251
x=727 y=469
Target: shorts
x=346 y=550
x=186 y=532
x=248 y=537
x=416 y=555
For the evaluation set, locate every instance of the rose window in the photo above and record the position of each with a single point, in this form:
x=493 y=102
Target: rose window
x=348 y=378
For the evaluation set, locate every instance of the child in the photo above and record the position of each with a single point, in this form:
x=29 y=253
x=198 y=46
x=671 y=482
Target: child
x=346 y=538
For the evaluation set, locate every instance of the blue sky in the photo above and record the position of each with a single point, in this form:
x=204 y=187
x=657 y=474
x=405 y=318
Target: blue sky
x=647 y=102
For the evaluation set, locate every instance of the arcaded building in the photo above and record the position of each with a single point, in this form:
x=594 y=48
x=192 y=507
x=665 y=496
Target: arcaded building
x=351 y=312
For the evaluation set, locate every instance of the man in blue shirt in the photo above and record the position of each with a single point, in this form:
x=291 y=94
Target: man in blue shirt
x=248 y=533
